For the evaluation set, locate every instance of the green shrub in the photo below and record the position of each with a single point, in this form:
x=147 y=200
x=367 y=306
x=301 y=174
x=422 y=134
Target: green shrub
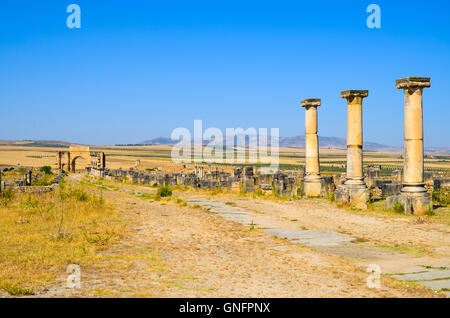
x=331 y=196
x=274 y=189
x=429 y=210
x=242 y=189
x=46 y=170
x=164 y=192
x=17 y=290
x=398 y=207
x=44 y=180
x=442 y=197
x=80 y=195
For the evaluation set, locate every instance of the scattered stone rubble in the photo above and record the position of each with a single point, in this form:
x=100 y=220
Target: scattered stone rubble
x=251 y=179
x=30 y=176
x=246 y=179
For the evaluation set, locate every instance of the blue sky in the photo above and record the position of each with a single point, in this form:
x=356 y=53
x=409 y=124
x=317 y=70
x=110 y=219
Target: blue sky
x=138 y=69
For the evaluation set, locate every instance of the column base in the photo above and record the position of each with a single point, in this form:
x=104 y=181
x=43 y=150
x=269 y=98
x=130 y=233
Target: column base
x=413 y=187
x=417 y=203
x=354 y=194
x=314 y=187
x=355 y=182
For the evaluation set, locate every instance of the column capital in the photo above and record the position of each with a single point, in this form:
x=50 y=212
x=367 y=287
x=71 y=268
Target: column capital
x=314 y=102
x=350 y=94
x=413 y=82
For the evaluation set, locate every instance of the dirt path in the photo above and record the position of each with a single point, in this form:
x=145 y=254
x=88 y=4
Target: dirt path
x=180 y=251
x=398 y=244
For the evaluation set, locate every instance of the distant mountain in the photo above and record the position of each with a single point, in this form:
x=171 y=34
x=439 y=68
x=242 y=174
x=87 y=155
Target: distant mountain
x=437 y=150
x=158 y=141
x=288 y=142
x=334 y=143
x=324 y=142
x=295 y=142
x=37 y=143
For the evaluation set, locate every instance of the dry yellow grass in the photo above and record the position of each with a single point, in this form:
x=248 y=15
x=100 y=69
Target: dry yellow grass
x=43 y=234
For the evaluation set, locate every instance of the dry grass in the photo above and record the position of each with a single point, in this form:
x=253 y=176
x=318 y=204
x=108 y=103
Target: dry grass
x=43 y=233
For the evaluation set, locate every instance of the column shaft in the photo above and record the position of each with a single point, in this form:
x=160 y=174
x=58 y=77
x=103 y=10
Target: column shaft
x=354 y=191
x=312 y=183
x=311 y=143
x=354 y=141
x=413 y=179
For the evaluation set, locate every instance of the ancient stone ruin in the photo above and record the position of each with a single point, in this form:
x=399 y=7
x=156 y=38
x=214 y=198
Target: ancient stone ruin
x=66 y=160
x=244 y=179
x=313 y=184
x=26 y=180
x=354 y=191
x=411 y=189
x=413 y=196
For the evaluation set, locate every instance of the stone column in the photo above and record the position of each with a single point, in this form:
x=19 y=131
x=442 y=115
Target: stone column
x=413 y=180
x=354 y=191
x=354 y=136
x=414 y=196
x=312 y=181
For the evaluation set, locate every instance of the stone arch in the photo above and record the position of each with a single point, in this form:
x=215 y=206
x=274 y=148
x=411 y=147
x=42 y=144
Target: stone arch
x=79 y=152
x=74 y=163
x=67 y=159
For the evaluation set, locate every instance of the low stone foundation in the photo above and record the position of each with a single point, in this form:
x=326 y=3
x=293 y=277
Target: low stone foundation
x=413 y=203
x=320 y=187
x=37 y=189
x=356 y=195
x=389 y=189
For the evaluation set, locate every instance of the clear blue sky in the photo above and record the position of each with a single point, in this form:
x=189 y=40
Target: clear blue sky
x=138 y=69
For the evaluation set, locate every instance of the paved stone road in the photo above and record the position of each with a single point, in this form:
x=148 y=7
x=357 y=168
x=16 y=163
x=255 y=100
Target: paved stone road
x=326 y=241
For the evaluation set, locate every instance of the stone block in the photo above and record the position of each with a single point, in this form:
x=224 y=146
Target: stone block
x=320 y=187
x=265 y=186
x=356 y=195
x=328 y=184
x=312 y=188
x=388 y=189
x=379 y=183
x=413 y=203
x=396 y=175
x=428 y=177
x=441 y=183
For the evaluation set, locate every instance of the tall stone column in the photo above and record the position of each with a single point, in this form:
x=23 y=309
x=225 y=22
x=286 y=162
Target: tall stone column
x=414 y=196
x=312 y=185
x=413 y=180
x=354 y=136
x=354 y=191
